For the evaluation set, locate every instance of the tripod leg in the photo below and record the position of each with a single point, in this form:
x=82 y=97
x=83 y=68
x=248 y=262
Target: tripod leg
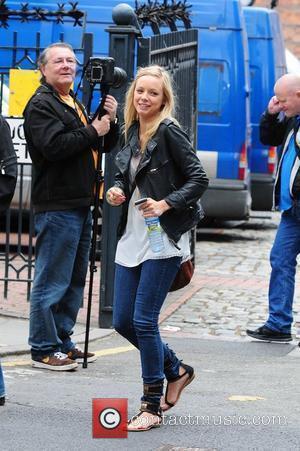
x=93 y=268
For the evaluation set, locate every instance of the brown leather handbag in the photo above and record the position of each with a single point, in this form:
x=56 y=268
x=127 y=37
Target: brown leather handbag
x=184 y=275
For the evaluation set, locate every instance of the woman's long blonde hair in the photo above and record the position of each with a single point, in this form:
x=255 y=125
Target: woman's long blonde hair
x=168 y=106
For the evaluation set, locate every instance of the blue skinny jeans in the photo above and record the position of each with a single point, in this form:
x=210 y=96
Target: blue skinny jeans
x=2 y=386
x=139 y=293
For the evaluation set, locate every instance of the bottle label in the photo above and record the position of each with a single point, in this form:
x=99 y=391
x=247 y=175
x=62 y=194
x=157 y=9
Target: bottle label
x=154 y=228
x=155 y=234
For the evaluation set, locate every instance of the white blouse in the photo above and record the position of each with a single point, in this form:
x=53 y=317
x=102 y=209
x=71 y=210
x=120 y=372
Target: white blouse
x=134 y=248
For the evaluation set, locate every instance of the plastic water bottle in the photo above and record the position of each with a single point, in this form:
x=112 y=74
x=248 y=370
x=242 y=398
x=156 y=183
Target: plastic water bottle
x=155 y=234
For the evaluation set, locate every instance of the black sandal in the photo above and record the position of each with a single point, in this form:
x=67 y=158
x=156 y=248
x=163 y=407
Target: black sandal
x=188 y=370
x=149 y=407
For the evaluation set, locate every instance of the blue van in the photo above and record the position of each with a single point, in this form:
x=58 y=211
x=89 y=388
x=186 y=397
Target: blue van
x=223 y=107
x=267 y=64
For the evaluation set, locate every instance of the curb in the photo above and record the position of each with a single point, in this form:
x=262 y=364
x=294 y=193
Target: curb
x=95 y=334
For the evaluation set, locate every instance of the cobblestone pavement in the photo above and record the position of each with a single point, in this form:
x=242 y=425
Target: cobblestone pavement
x=233 y=270
x=228 y=293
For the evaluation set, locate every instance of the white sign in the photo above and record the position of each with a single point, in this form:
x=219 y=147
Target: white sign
x=18 y=138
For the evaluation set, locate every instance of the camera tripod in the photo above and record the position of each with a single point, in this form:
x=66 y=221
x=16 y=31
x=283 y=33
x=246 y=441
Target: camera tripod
x=98 y=180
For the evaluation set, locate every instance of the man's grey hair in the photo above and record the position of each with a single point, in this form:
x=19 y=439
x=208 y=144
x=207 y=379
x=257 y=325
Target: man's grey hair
x=43 y=58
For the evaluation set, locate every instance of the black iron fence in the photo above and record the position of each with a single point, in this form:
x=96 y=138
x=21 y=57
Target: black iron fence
x=16 y=247
x=177 y=52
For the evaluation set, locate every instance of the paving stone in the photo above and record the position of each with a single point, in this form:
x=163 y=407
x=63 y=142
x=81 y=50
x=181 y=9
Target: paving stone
x=233 y=280
x=235 y=293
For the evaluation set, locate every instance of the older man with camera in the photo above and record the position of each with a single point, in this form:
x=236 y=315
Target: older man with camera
x=62 y=147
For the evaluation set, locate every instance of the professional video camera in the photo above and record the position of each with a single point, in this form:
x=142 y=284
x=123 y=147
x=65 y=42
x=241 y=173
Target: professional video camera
x=104 y=71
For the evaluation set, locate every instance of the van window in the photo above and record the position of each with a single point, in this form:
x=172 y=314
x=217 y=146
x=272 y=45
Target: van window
x=213 y=87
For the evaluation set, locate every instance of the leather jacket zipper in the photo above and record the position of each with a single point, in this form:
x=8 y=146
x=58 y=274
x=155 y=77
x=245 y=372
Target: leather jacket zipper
x=9 y=161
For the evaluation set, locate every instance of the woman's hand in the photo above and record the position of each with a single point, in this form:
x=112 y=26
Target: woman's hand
x=115 y=196
x=152 y=207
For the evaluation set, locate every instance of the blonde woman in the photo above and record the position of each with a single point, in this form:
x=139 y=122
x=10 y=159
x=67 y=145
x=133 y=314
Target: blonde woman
x=158 y=163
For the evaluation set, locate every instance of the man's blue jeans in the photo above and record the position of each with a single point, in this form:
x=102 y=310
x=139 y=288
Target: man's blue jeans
x=2 y=386
x=283 y=257
x=62 y=255
x=138 y=297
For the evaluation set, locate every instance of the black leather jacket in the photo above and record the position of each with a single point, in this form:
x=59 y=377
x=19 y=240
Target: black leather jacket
x=60 y=146
x=275 y=130
x=8 y=166
x=169 y=170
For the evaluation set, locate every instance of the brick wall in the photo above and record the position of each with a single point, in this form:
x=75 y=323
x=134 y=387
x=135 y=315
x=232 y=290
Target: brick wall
x=289 y=11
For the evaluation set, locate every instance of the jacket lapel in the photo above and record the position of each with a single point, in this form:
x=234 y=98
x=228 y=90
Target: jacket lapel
x=123 y=157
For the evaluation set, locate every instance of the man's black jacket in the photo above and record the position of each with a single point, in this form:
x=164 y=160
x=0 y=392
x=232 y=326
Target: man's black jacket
x=169 y=170
x=8 y=166
x=275 y=131
x=60 y=146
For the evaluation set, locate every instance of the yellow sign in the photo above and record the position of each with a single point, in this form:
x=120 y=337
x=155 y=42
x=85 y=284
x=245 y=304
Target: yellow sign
x=22 y=85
